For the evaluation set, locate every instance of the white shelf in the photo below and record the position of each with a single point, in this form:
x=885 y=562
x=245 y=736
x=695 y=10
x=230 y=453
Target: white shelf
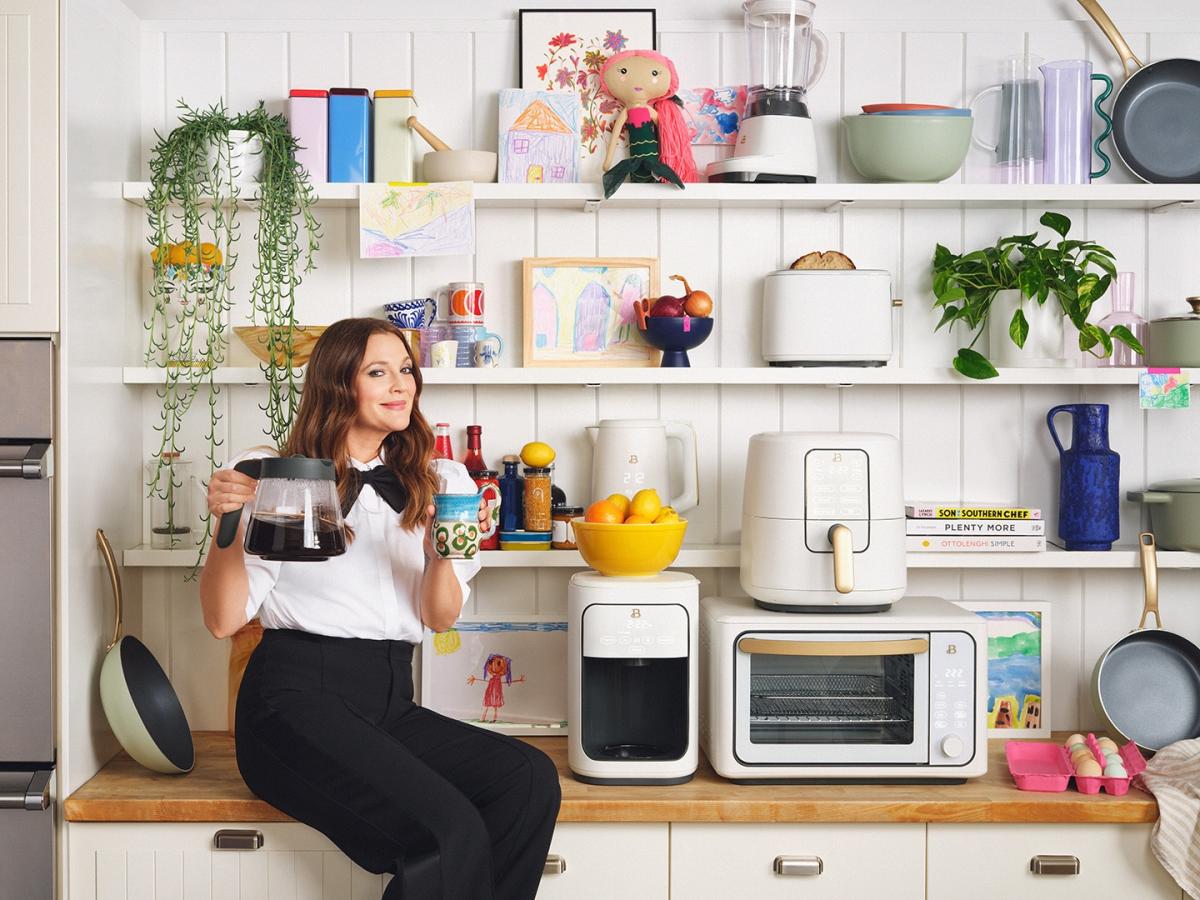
x=727 y=556
x=832 y=376
x=813 y=196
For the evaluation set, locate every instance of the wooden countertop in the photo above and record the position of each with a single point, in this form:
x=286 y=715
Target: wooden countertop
x=123 y=791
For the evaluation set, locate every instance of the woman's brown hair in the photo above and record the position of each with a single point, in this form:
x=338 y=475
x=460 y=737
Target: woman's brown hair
x=328 y=407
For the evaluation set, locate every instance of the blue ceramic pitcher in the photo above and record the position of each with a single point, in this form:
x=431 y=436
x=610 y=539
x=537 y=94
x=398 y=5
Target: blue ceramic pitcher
x=1089 y=476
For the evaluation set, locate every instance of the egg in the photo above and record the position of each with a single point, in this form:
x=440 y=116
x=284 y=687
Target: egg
x=1110 y=755
x=1115 y=770
x=1074 y=739
x=1087 y=768
x=1075 y=747
x=1107 y=742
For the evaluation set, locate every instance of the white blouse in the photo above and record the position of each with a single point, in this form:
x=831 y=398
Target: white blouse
x=370 y=591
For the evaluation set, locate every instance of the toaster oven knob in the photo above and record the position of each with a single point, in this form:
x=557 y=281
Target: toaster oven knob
x=952 y=746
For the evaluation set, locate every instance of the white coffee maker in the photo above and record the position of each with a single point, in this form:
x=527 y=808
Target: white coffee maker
x=823 y=522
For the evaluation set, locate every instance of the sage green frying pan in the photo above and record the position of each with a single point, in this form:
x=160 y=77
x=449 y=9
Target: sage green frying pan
x=141 y=706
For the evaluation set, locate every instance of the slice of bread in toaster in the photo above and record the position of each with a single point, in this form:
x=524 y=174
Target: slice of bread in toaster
x=830 y=259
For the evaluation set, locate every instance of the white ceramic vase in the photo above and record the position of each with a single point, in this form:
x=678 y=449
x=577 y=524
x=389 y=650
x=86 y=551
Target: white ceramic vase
x=245 y=154
x=1044 y=343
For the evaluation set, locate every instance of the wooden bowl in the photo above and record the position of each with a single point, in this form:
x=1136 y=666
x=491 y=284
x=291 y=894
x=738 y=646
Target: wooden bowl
x=304 y=338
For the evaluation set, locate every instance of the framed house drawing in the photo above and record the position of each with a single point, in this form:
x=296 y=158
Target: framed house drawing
x=579 y=311
x=509 y=675
x=1018 y=655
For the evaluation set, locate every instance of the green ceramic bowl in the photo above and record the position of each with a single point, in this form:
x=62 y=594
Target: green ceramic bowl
x=907 y=148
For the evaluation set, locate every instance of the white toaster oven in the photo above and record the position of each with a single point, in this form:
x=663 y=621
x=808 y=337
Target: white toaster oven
x=897 y=695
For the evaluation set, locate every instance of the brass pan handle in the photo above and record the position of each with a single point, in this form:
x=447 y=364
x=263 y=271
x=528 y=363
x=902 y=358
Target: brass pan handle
x=1100 y=17
x=834 y=648
x=114 y=579
x=1149 y=558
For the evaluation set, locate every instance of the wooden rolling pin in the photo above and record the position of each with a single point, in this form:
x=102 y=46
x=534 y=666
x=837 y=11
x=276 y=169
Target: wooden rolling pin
x=432 y=139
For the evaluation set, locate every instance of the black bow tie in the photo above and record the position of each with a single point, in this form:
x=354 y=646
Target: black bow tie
x=386 y=485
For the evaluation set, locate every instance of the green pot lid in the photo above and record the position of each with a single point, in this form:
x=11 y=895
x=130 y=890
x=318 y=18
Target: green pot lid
x=1193 y=316
x=1179 y=486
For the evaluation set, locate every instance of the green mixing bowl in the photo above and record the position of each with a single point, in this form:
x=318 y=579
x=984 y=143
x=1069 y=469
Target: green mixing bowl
x=907 y=148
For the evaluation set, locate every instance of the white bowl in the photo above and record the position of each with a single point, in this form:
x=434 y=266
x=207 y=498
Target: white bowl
x=459 y=165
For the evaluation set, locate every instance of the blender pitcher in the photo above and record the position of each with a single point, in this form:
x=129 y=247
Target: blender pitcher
x=1019 y=148
x=1068 y=122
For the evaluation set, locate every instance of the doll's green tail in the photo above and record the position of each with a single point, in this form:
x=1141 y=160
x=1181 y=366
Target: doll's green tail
x=638 y=168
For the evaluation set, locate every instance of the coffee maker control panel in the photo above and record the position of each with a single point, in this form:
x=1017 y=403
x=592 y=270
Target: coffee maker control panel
x=651 y=631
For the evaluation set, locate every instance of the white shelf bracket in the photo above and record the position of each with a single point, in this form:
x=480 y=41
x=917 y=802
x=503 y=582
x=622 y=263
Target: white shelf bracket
x=1167 y=207
x=591 y=206
x=838 y=206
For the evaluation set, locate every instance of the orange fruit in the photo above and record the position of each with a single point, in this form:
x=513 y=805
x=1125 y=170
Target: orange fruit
x=210 y=254
x=621 y=502
x=637 y=520
x=175 y=255
x=645 y=503
x=603 y=511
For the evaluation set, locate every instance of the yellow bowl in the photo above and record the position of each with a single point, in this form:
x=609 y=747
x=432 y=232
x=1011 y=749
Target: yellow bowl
x=304 y=338
x=629 y=550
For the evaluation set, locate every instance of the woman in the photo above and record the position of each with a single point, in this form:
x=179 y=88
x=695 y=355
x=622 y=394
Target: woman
x=327 y=730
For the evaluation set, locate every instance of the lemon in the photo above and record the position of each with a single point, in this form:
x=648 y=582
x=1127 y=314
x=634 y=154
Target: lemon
x=175 y=255
x=646 y=503
x=210 y=254
x=538 y=454
x=668 y=514
x=621 y=502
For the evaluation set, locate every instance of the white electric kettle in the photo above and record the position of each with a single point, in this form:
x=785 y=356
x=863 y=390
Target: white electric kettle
x=631 y=454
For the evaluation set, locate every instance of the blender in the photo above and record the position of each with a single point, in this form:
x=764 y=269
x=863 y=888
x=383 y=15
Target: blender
x=777 y=142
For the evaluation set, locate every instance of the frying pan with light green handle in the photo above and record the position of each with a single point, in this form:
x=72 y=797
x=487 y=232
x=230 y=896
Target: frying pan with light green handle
x=142 y=708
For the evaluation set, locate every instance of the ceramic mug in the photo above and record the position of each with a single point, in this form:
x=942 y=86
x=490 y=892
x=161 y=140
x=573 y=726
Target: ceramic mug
x=413 y=337
x=418 y=313
x=443 y=354
x=487 y=350
x=456 y=531
x=463 y=302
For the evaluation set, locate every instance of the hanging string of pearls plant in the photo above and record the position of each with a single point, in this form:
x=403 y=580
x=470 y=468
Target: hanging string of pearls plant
x=197 y=174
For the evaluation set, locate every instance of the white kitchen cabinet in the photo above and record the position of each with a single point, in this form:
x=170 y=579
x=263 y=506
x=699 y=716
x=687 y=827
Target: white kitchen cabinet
x=824 y=862
x=29 y=166
x=177 y=861
x=994 y=862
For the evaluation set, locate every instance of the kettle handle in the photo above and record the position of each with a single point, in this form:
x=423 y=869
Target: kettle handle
x=686 y=435
x=230 y=520
x=1055 y=410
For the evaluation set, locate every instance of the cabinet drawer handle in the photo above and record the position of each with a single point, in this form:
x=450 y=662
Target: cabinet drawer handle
x=1046 y=864
x=238 y=839
x=799 y=865
x=555 y=865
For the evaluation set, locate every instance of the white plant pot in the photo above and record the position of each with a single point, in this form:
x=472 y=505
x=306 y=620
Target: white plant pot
x=245 y=156
x=1044 y=343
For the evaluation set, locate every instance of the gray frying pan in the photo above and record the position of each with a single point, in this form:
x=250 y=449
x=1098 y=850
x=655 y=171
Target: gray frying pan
x=1156 y=112
x=1146 y=686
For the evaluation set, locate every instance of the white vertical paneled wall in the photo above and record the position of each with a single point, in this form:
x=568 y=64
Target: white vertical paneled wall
x=972 y=443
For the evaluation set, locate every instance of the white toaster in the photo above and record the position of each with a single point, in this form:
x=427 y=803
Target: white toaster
x=827 y=317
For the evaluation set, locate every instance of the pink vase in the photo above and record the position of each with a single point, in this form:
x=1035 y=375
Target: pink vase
x=1122 y=313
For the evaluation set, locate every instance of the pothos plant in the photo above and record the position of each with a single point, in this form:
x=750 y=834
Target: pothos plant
x=1073 y=274
x=192 y=212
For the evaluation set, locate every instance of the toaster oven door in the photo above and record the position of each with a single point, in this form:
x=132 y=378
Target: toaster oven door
x=825 y=698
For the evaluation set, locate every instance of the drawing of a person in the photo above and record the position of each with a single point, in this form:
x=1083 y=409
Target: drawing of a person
x=592 y=310
x=497 y=671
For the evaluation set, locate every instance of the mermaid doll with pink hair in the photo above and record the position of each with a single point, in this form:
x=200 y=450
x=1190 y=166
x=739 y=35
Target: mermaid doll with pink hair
x=645 y=83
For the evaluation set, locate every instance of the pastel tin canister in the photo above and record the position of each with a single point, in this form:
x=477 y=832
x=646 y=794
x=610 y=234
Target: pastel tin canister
x=394 y=160
x=349 y=135
x=308 y=118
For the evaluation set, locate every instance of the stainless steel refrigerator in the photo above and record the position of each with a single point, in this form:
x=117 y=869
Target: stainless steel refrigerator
x=27 y=753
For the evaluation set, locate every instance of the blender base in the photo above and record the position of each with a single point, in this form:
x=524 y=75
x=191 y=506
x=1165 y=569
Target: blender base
x=759 y=178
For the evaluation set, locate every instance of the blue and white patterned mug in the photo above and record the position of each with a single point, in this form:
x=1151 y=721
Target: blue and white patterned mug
x=418 y=313
x=455 y=531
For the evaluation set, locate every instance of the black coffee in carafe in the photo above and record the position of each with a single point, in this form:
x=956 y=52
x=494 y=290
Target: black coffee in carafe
x=288 y=537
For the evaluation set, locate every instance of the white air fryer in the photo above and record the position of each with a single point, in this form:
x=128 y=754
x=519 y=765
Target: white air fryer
x=823 y=522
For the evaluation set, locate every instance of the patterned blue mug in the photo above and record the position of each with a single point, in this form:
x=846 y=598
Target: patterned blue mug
x=418 y=313
x=456 y=531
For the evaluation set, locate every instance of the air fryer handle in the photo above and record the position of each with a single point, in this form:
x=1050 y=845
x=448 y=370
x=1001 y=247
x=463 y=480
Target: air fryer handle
x=229 y=521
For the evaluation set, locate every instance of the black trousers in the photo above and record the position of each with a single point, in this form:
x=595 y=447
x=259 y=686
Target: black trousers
x=327 y=732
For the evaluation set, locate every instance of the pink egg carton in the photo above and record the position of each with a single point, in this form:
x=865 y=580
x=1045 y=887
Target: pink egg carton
x=1038 y=766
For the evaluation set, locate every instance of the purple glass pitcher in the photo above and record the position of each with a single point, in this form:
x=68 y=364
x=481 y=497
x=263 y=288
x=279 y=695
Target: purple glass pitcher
x=1068 y=105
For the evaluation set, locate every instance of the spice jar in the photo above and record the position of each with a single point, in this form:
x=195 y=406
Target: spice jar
x=563 y=532
x=537 y=497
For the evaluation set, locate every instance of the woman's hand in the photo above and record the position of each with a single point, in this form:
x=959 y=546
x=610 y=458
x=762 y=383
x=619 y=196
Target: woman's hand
x=229 y=489
x=485 y=515
x=430 y=553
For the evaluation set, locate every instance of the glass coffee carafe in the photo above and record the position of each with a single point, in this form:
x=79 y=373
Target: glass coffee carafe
x=296 y=516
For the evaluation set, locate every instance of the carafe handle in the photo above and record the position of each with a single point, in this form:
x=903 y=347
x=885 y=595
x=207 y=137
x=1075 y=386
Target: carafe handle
x=817 y=67
x=686 y=435
x=980 y=142
x=1108 y=124
x=229 y=521
x=1069 y=408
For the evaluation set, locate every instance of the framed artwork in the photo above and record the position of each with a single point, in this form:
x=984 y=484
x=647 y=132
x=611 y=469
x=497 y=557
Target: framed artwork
x=1018 y=666
x=539 y=137
x=436 y=219
x=509 y=675
x=579 y=311
x=563 y=50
